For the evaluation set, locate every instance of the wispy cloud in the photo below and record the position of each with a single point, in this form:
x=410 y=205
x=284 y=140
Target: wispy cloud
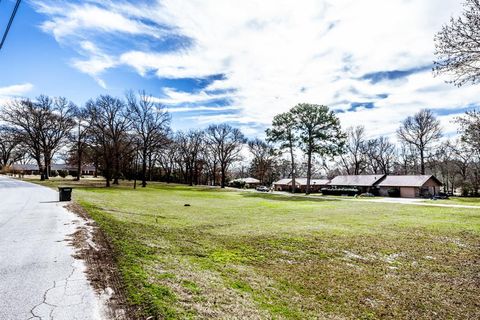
x=73 y=19
x=202 y=108
x=369 y=60
x=175 y=97
x=16 y=89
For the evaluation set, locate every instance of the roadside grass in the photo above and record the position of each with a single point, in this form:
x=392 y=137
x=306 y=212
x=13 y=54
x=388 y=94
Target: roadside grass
x=246 y=255
x=461 y=200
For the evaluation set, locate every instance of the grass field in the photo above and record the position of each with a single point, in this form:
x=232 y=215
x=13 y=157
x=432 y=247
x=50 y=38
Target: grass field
x=246 y=255
x=464 y=201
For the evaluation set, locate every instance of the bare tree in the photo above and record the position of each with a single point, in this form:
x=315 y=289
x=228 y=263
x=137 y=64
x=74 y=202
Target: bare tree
x=79 y=138
x=25 y=121
x=226 y=143
x=150 y=122
x=167 y=157
x=42 y=126
x=264 y=159
x=190 y=147
x=381 y=155
x=421 y=131
x=457 y=46
x=464 y=156
x=211 y=161
x=354 y=157
x=444 y=165
x=58 y=123
x=10 y=150
x=109 y=133
x=470 y=129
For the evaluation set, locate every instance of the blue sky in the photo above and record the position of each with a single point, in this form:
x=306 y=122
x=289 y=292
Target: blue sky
x=237 y=62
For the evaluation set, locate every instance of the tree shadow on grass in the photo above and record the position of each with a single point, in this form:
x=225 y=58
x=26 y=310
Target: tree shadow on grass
x=280 y=197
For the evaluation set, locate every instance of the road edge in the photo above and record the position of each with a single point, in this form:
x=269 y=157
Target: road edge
x=94 y=248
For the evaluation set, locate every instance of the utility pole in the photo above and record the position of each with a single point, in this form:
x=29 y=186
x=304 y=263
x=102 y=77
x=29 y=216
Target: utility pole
x=10 y=21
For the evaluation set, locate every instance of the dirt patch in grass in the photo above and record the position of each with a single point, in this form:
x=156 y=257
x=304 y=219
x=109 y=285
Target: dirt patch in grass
x=93 y=247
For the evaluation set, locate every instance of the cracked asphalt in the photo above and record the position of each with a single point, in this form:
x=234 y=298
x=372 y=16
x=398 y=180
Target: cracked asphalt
x=39 y=277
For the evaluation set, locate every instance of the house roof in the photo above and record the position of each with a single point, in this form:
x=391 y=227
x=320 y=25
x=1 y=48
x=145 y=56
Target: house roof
x=27 y=166
x=407 y=181
x=248 y=180
x=302 y=182
x=54 y=166
x=356 y=180
x=283 y=181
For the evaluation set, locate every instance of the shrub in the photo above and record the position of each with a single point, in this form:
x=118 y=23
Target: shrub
x=63 y=173
x=340 y=191
x=237 y=184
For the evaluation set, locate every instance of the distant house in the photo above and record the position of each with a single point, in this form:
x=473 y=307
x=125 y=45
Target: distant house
x=363 y=183
x=409 y=186
x=248 y=182
x=301 y=184
x=32 y=169
x=28 y=169
x=283 y=185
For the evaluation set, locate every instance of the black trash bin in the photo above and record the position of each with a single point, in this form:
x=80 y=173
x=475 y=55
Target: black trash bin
x=65 y=193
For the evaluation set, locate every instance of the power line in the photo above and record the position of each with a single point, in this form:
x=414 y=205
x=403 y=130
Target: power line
x=10 y=23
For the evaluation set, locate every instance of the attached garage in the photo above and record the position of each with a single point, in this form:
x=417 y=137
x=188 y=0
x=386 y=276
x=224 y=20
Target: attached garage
x=414 y=186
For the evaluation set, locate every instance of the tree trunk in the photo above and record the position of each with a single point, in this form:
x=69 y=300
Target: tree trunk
x=79 y=163
x=223 y=169
x=144 y=168
x=309 y=172
x=40 y=168
x=150 y=167
x=107 y=175
x=116 y=169
x=214 y=173
x=47 y=165
x=422 y=161
x=294 y=185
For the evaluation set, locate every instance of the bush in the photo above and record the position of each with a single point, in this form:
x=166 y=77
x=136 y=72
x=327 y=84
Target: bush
x=63 y=173
x=340 y=191
x=237 y=184
x=367 y=194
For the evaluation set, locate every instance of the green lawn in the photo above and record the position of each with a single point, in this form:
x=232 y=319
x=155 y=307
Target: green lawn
x=246 y=255
x=460 y=200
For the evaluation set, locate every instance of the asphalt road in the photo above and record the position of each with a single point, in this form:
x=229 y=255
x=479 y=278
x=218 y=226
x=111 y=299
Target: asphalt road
x=39 y=278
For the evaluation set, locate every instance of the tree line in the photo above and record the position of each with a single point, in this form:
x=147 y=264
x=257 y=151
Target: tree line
x=131 y=137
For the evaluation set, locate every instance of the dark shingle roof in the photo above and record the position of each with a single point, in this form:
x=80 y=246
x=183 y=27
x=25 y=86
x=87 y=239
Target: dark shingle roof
x=302 y=182
x=318 y=182
x=407 y=181
x=356 y=180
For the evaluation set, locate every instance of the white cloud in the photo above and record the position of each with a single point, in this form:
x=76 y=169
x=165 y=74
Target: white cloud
x=16 y=89
x=201 y=108
x=174 y=97
x=69 y=19
x=11 y=92
x=275 y=54
x=96 y=64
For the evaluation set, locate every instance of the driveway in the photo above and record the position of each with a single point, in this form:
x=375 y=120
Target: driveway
x=39 y=277
x=406 y=201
